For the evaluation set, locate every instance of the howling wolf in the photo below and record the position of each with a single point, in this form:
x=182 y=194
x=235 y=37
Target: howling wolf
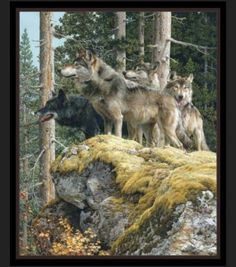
x=116 y=102
x=72 y=111
x=181 y=89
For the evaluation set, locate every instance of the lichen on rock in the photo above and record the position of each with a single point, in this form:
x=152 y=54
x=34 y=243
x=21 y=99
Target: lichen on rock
x=141 y=201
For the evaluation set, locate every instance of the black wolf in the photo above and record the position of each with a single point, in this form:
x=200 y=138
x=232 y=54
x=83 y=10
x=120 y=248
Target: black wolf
x=72 y=111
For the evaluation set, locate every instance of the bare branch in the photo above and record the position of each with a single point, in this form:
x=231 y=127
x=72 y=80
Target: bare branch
x=108 y=52
x=35 y=185
x=41 y=43
x=114 y=29
x=38 y=158
x=29 y=124
x=150 y=15
x=37 y=40
x=175 y=61
x=59 y=143
x=27 y=156
x=56 y=34
x=199 y=48
x=180 y=20
x=36 y=86
x=132 y=60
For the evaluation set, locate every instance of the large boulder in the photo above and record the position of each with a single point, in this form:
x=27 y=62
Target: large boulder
x=141 y=201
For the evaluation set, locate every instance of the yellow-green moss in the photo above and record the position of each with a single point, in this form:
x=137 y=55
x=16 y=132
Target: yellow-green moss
x=163 y=177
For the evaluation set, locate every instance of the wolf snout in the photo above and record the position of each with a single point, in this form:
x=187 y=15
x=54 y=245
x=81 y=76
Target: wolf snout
x=36 y=112
x=180 y=97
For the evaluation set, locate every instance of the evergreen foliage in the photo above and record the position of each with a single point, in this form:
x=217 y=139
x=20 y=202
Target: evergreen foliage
x=95 y=30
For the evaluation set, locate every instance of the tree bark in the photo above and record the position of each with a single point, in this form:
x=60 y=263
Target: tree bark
x=120 y=25
x=205 y=60
x=161 y=53
x=25 y=144
x=141 y=37
x=46 y=128
x=205 y=68
x=25 y=217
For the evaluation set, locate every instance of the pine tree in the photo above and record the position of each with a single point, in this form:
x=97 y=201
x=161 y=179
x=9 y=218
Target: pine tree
x=28 y=79
x=194 y=27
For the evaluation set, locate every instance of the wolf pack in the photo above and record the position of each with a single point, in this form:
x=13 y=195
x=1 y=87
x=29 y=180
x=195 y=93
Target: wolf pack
x=107 y=100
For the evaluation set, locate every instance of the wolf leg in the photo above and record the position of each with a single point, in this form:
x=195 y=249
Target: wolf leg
x=169 y=122
x=200 y=140
x=204 y=145
x=118 y=122
x=139 y=134
x=171 y=135
x=132 y=132
x=182 y=135
x=117 y=118
x=157 y=136
x=107 y=126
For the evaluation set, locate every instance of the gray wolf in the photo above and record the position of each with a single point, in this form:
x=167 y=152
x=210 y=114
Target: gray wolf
x=145 y=75
x=181 y=89
x=116 y=102
x=72 y=111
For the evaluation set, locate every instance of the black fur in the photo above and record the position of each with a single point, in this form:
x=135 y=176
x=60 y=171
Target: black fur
x=73 y=111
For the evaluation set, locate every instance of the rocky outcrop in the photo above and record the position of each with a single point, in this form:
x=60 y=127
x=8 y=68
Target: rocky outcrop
x=140 y=201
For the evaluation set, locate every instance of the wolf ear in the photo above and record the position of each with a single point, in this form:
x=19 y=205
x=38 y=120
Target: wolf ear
x=156 y=66
x=80 y=54
x=89 y=55
x=62 y=95
x=190 y=78
x=172 y=75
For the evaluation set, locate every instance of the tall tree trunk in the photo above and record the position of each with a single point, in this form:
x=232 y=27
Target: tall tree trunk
x=161 y=53
x=120 y=19
x=52 y=152
x=46 y=128
x=141 y=37
x=205 y=59
x=25 y=218
x=25 y=142
x=205 y=68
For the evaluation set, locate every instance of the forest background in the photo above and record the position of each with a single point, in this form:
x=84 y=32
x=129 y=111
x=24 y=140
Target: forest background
x=96 y=30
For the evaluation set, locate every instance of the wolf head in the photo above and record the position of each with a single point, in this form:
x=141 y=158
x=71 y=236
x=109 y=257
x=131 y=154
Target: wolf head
x=52 y=106
x=87 y=59
x=144 y=74
x=81 y=73
x=180 y=88
x=153 y=74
